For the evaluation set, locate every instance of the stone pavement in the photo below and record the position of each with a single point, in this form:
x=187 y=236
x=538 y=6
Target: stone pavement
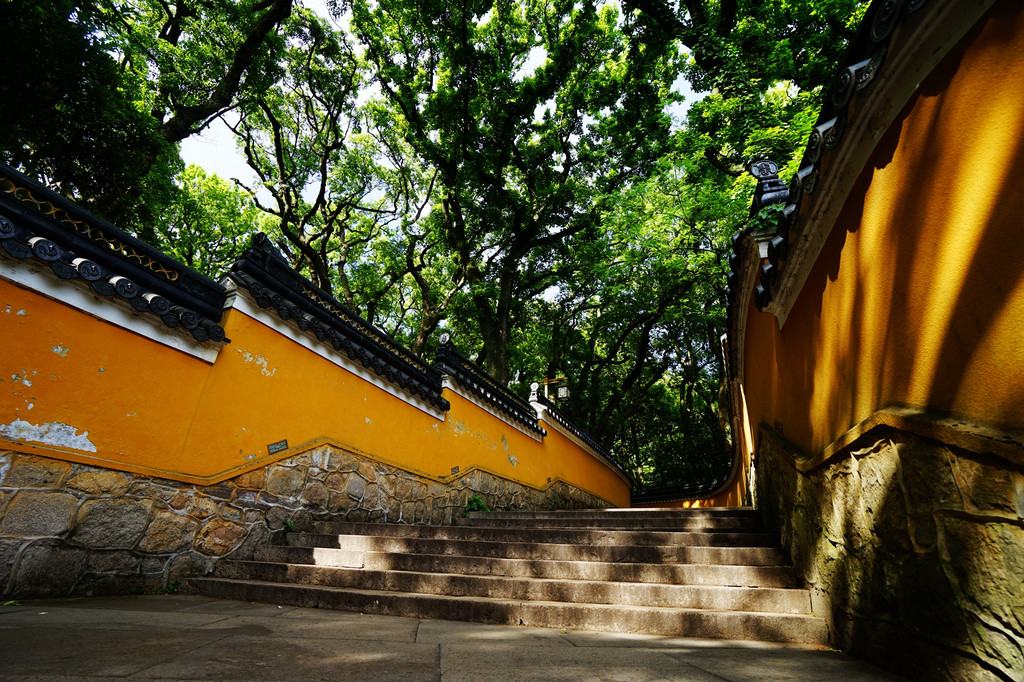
x=192 y=637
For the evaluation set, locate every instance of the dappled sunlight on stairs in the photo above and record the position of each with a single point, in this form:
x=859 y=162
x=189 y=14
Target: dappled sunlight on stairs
x=709 y=573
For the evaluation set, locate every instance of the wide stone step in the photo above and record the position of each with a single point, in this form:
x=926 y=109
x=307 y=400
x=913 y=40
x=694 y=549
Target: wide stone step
x=724 y=524
x=761 y=600
x=682 y=574
x=749 y=556
x=620 y=514
x=547 y=535
x=603 y=617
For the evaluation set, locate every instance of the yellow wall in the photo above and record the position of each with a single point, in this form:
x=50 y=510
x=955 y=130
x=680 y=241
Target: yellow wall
x=728 y=498
x=569 y=462
x=917 y=297
x=151 y=409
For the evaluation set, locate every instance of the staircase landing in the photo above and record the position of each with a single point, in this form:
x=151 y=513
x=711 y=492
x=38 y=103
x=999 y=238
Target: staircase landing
x=189 y=637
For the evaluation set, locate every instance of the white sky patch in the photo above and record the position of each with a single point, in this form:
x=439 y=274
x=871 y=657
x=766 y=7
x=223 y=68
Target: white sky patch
x=370 y=91
x=217 y=152
x=320 y=8
x=486 y=18
x=535 y=58
x=678 y=111
x=551 y=293
x=542 y=108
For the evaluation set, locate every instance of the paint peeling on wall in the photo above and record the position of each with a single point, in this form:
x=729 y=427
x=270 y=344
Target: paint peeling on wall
x=22 y=377
x=50 y=433
x=259 y=361
x=512 y=459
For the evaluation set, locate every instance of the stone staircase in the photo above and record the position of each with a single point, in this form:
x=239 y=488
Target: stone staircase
x=696 y=573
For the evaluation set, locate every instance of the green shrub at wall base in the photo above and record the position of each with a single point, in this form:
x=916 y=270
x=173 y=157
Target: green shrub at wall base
x=474 y=504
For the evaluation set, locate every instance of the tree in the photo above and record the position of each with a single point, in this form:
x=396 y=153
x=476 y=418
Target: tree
x=504 y=170
x=100 y=92
x=764 y=65
x=522 y=159
x=70 y=118
x=197 y=58
x=635 y=327
x=639 y=338
x=347 y=195
x=209 y=223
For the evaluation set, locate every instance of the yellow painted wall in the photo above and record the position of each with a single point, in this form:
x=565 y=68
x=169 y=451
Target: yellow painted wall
x=150 y=409
x=725 y=499
x=134 y=398
x=569 y=462
x=917 y=297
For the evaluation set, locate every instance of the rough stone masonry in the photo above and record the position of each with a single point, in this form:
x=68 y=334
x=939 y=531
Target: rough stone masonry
x=914 y=548
x=71 y=529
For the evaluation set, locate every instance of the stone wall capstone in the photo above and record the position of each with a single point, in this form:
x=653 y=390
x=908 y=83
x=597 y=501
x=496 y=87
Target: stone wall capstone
x=72 y=529
x=914 y=549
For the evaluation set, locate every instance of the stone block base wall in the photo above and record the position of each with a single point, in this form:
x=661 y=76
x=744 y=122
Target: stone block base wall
x=913 y=548
x=70 y=529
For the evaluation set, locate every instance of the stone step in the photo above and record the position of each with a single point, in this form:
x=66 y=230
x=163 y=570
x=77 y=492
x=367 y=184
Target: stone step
x=613 y=514
x=621 y=522
x=559 y=536
x=681 y=574
x=759 y=600
x=747 y=556
x=677 y=622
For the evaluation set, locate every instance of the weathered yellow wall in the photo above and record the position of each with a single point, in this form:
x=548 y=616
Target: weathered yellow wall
x=568 y=462
x=728 y=498
x=150 y=409
x=917 y=298
x=132 y=397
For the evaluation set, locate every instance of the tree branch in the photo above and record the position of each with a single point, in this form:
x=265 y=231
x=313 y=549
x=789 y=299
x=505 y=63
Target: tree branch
x=190 y=119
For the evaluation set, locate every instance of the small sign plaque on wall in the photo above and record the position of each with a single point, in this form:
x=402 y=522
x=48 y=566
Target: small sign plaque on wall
x=277 y=447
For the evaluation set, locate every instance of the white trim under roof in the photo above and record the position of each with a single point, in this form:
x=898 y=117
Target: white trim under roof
x=35 y=276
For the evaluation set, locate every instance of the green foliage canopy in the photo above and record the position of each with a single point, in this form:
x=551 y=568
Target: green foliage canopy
x=523 y=160
x=506 y=170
